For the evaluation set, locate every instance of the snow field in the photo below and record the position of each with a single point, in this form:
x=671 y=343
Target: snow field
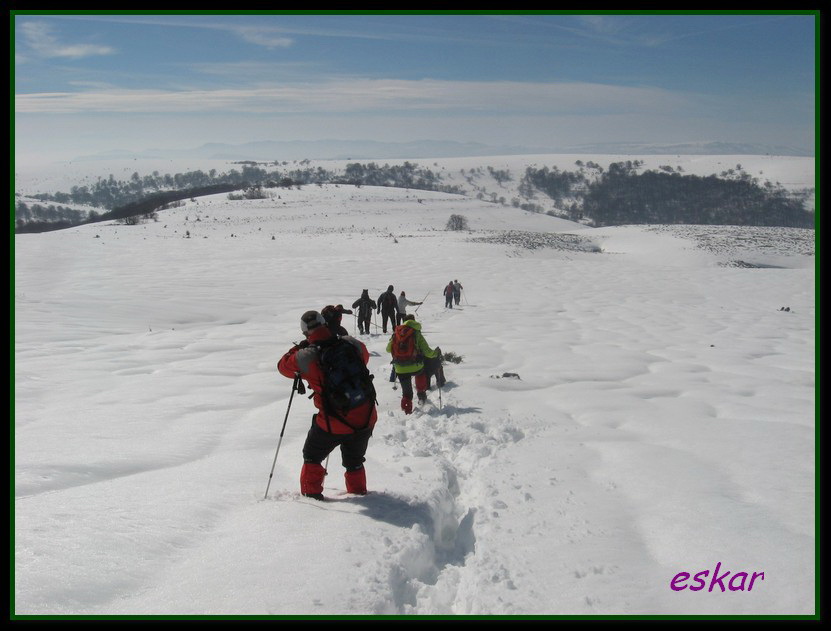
x=661 y=421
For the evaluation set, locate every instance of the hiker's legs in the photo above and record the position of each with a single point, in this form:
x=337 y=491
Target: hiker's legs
x=429 y=369
x=406 y=393
x=318 y=445
x=353 y=450
x=388 y=315
x=421 y=385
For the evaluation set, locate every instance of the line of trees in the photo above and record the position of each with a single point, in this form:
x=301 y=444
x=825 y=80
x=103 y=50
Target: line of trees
x=622 y=195
x=140 y=195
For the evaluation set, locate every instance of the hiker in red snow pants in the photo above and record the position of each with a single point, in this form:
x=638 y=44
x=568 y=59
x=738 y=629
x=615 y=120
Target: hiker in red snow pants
x=328 y=432
x=411 y=363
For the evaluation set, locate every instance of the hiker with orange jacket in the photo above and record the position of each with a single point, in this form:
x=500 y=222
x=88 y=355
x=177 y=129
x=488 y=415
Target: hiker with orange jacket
x=408 y=349
x=350 y=431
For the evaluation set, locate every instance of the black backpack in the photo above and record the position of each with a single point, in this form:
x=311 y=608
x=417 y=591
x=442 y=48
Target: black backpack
x=347 y=382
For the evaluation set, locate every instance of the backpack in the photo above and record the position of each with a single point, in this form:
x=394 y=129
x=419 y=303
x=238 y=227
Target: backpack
x=347 y=382
x=404 y=344
x=390 y=301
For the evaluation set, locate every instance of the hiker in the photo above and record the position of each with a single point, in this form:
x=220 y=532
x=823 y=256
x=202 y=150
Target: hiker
x=448 y=295
x=408 y=349
x=388 y=308
x=403 y=303
x=331 y=428
x=333 y=315
x=365 y=306
x=433 y=367
x=457 y=291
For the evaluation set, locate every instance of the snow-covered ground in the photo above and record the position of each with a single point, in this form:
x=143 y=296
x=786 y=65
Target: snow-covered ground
x=632 y=403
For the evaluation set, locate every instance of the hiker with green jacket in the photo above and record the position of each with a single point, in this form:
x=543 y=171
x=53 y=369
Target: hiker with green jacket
x=408 y=349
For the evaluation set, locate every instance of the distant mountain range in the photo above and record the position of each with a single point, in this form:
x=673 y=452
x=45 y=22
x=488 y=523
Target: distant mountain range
x=276 y=150
x=714 y=148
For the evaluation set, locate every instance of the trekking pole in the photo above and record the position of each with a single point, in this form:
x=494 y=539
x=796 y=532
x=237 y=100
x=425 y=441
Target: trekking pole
x=464 y=295
x=440 y=376
x=297 y=385
x=422 y=301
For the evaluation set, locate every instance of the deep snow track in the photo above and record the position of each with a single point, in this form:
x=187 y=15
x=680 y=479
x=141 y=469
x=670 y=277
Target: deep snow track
x=427 y=575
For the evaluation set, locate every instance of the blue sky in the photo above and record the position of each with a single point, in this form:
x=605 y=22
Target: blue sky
x=99 y=82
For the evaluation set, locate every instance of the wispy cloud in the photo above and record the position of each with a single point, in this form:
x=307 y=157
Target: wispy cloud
x=363 y=95
x=622 y=30
x=261 y=36
x=40 y=39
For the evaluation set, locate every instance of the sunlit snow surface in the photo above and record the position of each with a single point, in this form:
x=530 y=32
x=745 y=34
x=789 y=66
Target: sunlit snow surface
x=631 y=403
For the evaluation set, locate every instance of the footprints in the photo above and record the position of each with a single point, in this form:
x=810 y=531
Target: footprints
x=594 y=570
x=462 y=443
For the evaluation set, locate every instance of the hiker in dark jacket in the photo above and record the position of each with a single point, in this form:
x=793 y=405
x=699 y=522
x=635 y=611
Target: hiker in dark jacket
x=433 y=368
x=388 y=308
x=333 y=315
x=448 y=295
x=365 y=306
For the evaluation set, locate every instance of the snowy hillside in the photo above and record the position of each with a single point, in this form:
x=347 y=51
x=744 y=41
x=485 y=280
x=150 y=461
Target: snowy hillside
x=495 y=179
x=632 y=404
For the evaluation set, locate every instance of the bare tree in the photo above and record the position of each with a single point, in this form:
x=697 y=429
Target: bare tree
x=457 y=222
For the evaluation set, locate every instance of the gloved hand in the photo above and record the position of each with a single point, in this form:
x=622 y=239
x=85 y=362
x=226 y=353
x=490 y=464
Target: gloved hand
x=303 y=344
x=438 y=351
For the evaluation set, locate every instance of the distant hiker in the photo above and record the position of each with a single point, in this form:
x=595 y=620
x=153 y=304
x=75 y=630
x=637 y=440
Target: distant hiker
x=457 y=291
x=403 y=303
x=408 y=349
x=388 y=308
x=365 y=306
x=448 y=295
x=333 y=315
x=344 y=421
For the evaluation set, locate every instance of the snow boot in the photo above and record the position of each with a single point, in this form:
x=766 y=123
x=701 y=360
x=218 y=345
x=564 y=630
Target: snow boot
x=422 y=397
x=407 y=405
x=356 y=481
x=311 y=480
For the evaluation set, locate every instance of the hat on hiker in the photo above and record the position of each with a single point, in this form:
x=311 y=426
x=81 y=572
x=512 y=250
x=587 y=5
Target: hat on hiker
x=310 y=321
